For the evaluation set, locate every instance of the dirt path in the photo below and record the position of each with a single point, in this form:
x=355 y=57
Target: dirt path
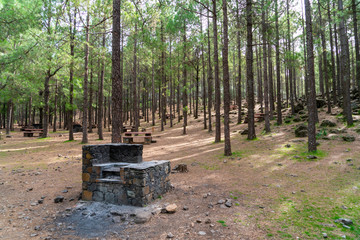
x=276 y=192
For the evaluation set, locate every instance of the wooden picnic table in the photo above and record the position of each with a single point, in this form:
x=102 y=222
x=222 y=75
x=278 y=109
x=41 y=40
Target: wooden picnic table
x=30 y=132
x=130 y=136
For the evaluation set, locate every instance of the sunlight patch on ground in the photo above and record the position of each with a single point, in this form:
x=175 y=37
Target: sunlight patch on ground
x=21 y=149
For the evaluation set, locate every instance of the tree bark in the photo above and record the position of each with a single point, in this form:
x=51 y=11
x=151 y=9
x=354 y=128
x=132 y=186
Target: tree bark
x=210 y=82
x=312 y=93
x=226 y=82
x=217 y=80
x=345 y=70
x=185 y=100
x=85 y=86
x=249 y=72
x=278 y=79
x=116 y=77
x=356 y=36
x=266 y=84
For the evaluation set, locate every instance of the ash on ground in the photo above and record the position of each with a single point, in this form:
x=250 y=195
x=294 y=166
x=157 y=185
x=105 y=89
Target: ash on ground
x=97 y=219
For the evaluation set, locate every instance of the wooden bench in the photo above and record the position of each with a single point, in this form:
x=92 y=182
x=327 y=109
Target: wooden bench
x=130 y=136
x=30 y=132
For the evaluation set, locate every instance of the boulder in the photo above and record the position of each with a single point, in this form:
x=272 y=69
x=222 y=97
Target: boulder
x=327 y=123
x=320 y=103
x=298 y=107
x=301 y=130
x=245 y=132
x=348 y=138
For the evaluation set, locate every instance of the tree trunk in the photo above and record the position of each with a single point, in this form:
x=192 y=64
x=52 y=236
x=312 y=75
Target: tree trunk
x=72 y=54
x=116 y=77
x=266 y=84
x=312 y=93
x=210 y=82
x=134 y=85
x=356 y=36
x=153 y=93
x=185 y=100
x=217 y=80
x=163 y=79
x=333 y=72
x=8 y=117
x=85 y=86
x=239 y=96
x=278 y=79
x=55 y=105
x=249 y=72
x=345 y=70
x=226 y=83
x=203 y=72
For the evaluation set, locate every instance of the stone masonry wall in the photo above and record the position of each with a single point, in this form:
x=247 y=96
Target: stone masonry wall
x=115 y=173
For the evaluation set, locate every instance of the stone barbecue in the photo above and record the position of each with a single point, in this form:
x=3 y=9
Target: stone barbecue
x=116 y=173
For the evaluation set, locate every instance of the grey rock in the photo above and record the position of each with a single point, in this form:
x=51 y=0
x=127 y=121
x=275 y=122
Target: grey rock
x=348 y=138
x=228 y=203
x=185 y=208
x=202 y=233
x=58 y=199
x=301 y=131
x=327 y=123
x=142 y=217
x=325 y=235
x=311 y=157
x=345 y=221
x=170 y=235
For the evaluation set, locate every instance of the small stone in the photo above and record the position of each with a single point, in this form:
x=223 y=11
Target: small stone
x=30 y=189
x=64 y=191
x=170 y=235
x=279 y=164
x=33 y=235
x=40 y=201
x=116 y=219
x=202 y=233
x=228 y=203
x=344 y=207
x=262 y=207
x=345 y=221
x=185 y=208
x=208 y=221
x=205 y=196
x=171 y=208
x=34 y=204
x=302 y=190
x=311 y=157
x=142 y=217
x=325 y=235
x=221 y=201
x=37 y=228
x=59 y=199
x=288 y=146
x=349 y=160
x=293 y=192
x=223 y=206
x=198 y=220
x=225 y=161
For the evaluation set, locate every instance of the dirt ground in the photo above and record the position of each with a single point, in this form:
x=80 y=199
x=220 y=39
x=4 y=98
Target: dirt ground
x=276 y=191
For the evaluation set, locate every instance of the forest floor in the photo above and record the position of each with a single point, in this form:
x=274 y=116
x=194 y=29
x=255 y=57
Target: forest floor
x=276 y=191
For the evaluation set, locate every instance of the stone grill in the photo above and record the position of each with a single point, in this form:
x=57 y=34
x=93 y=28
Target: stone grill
x=116 y=173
